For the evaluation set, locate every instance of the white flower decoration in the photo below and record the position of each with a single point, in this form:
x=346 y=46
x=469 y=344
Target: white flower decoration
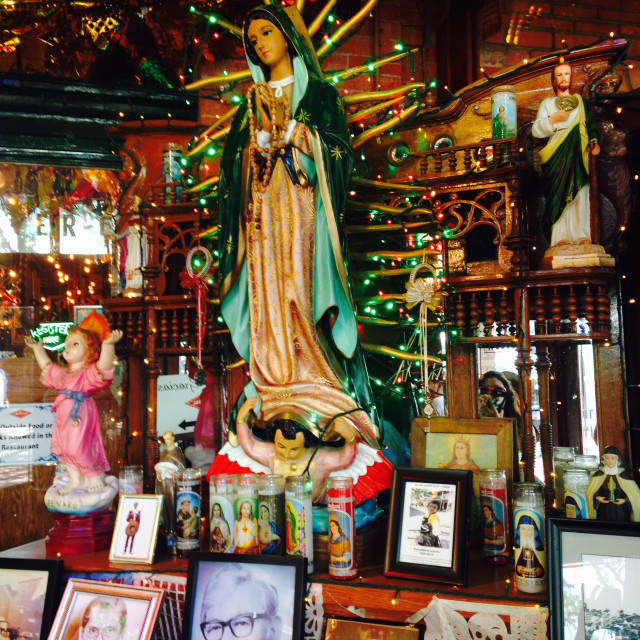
x=419 y=291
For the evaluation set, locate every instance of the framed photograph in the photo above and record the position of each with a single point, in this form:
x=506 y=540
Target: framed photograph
x=136 y=530
x=251 y=596
x=466 y=443
x=29 y=592
x=428 y=524
x=90 y=609
x=350 y=628
x=594 y=578
x=81 y=311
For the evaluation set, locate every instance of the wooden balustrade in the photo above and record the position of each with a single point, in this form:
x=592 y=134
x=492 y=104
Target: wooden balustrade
x=562 y=307
x=176 y=324
x=459 y=160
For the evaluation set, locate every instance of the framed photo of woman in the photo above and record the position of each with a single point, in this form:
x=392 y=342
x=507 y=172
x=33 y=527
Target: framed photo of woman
x=430 y=511
x=466 y=443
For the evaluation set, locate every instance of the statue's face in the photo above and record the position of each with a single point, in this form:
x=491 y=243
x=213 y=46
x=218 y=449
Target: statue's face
x=610 y=460
x=562 y=77
x=289 y=449
x=267 y=41
x=75 y=349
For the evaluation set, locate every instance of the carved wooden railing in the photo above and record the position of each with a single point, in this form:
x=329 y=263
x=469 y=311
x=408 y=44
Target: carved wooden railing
x=175 y=324
x=572 y=304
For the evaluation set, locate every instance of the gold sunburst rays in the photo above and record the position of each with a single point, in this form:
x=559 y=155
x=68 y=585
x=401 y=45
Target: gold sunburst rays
x=370 y=96
x=387 y=208
x=205 y=141
x=392 y=255
x=209 y=182
x=385 y=186
x=397 y=353
x=353 y=23
x=223 y=80
x=374 y=229
x=369 y=111
x=371 y=66
x=386 y=125
x=321 y=17
x=381 y=322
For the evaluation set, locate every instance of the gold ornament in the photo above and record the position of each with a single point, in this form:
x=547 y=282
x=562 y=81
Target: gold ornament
x=566 y=103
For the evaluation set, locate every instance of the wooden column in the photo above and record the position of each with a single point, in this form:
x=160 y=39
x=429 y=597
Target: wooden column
x=610 y=397
x=462 y=382
x=543 y=367
x=151 y=273
x=524 y=363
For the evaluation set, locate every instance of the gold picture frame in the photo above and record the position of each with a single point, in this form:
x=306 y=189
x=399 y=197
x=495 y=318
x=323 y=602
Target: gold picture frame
x=489 y=443
x=134 y=610
x=136 y=529
x=429 y=435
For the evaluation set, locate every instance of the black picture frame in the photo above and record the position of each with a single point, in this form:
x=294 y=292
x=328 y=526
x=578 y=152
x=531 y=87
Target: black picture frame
x=229 y=577
x=411 y=550
x=22 y=579
x=582 y=556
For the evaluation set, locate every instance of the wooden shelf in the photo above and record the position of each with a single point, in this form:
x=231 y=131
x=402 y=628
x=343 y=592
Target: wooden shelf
x=371 y=590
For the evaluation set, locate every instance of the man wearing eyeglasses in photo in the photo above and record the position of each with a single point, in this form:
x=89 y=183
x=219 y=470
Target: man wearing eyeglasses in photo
x=236 y=604
x=103 y=619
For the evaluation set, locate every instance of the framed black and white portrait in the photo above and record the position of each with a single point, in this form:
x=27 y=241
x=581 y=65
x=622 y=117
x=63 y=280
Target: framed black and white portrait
x=250 y=596
x=594 y=583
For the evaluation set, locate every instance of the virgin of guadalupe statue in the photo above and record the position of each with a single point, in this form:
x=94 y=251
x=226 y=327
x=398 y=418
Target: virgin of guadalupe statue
x=284 y=290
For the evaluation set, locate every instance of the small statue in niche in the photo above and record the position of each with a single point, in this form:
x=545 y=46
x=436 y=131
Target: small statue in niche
x=568 y=125
x=612 y=493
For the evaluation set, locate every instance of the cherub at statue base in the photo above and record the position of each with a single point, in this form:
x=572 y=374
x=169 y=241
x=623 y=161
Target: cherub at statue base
x=565 y=256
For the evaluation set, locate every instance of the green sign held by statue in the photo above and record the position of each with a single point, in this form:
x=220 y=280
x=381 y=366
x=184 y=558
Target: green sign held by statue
x=52 y=334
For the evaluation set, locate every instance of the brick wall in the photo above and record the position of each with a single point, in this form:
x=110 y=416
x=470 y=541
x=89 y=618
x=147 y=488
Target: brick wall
x=531 y=29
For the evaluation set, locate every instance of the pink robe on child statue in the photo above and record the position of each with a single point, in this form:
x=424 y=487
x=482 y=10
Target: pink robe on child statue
x=78 y=444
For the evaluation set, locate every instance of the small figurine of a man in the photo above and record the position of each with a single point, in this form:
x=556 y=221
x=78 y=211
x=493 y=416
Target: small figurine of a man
x=172 y=452
x=572 y=135
x=133 y=524
x=612 y=493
